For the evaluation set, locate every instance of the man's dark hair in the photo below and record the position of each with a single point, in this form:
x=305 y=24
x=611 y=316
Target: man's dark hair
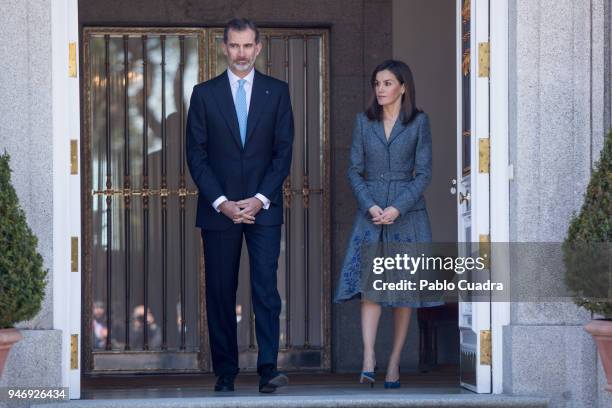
x=240 y=24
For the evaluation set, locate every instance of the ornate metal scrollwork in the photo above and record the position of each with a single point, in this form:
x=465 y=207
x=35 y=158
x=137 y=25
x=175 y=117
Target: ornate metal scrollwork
x=145 y=192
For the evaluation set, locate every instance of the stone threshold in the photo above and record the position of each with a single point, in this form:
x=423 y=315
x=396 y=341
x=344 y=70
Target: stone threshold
x=286 y=400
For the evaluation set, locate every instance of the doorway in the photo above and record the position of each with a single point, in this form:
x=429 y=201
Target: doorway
x=455 y=87
x=142 y=257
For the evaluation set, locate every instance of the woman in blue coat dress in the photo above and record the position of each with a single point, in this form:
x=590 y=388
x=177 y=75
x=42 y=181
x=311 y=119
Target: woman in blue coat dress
x=390 y=168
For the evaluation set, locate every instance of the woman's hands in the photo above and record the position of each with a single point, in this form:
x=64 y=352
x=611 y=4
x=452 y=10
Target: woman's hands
x=383 y=217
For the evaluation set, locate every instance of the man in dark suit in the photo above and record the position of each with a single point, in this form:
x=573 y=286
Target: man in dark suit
x=239 y=144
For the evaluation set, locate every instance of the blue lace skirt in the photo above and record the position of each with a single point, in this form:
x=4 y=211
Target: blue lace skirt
x=412 y=227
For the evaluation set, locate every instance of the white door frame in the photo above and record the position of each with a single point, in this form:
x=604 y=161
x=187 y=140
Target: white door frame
x=499 y=177
x=66 y=188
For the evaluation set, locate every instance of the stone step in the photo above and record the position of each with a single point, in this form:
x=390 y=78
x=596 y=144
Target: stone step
x=285 y=400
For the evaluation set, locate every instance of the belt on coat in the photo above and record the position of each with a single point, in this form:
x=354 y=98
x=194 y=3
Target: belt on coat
x=390 y=176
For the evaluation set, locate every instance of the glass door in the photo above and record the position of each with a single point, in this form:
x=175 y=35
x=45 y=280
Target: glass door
x=142 y=251
x=144 y=276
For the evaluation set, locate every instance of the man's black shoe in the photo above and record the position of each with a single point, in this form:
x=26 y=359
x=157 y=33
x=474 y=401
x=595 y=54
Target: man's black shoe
x=225 y=382
x=270 y=380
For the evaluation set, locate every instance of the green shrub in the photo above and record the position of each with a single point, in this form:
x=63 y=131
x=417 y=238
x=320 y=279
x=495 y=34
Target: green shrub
x=22 y=277
x=587 y=248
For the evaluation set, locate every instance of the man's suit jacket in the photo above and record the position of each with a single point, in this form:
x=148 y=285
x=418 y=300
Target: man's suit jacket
x=218 y=162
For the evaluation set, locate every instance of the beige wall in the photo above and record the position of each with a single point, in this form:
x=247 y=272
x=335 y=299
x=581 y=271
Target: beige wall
x=424 y=38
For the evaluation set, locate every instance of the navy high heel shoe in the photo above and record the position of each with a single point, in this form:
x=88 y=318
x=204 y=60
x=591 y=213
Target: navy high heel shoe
x=368 y=377
x=393 y=384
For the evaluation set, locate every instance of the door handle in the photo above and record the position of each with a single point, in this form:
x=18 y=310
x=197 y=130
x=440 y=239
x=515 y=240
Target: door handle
x=464 y=197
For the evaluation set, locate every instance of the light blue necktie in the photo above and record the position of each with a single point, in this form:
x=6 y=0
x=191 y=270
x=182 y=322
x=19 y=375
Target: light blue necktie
x=241 y=109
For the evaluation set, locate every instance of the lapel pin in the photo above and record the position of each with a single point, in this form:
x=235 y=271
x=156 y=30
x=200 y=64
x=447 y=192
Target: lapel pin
x=267 y=92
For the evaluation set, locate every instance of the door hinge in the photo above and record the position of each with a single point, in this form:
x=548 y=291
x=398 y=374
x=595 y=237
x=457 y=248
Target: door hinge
x=484 y=249
x=74 y=156
x=485 y=347
x=484 y=155
x=74 y=254
x=74 y=352
x=72 y=64
x=484 y=59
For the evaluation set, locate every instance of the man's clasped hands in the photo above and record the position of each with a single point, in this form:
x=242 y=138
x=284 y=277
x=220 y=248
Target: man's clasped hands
x=243 y=211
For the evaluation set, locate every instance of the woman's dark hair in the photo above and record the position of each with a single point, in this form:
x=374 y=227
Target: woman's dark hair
x=404 y=75
x=240 y=24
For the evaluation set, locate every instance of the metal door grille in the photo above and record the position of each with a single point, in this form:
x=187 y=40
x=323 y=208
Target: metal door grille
x=143 y=262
